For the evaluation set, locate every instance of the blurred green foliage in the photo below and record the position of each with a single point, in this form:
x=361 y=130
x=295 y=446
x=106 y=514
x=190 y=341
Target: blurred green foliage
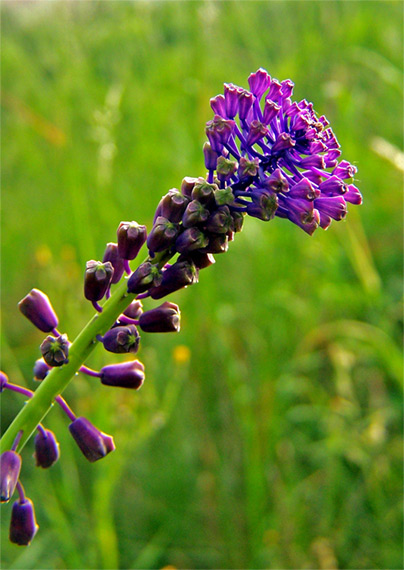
x=268 y=432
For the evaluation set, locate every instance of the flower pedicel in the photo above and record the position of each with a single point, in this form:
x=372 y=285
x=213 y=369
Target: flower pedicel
x=266 y=156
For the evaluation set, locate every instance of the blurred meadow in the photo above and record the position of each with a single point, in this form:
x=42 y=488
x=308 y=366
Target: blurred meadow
x=268 y=433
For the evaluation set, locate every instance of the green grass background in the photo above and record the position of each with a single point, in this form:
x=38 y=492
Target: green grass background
x=275 y=442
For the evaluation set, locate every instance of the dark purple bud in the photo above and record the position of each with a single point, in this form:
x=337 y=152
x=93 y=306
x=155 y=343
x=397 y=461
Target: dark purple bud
x=172 y=205
x=199 y=259
x=131 y=237
x=38 y=309
x=46 y=449
x=195 y=213
x=218 y=243
x=162 y=235
x=203 y=191
x=10 y=467
x=112 y=256
x=345 y=170
x=97 y=279
x=220 y=221
x=93 y=443
x=121 y=339
x=271 y=109
x=123 y=375
x=23 y=525
x=238 y=220
x=146 y=275
x=304 y=189
x=219 y=131
x=218 y=105
x=334 y=207
x=353 y=195
x=55 y=350
x=134 y=310
x=224 y=196
x=231 y=100
x=3 y=380
x=179 y=275
x=283 y=142
x=248 y=167
x=226 y=168
x=257 y=131
x=210 y=157
x=259 y=82
x=277 y=182
x=165 y=318
x=246 y=100
x=190 y=239
x=41 y=369
x=263 y=207
x=188 y=184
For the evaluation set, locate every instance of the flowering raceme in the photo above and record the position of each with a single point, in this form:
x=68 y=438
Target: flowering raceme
x=266 y=156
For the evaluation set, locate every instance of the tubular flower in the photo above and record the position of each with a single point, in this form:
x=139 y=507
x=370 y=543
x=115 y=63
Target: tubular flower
x=287 y=155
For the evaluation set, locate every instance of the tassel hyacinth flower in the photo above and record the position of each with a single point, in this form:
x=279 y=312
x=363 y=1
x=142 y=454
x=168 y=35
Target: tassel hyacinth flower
x=266 y=156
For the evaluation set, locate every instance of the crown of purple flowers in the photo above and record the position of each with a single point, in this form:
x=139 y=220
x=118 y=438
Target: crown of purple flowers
x=277 y=156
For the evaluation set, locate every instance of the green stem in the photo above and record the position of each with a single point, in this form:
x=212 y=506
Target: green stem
x=58 y=378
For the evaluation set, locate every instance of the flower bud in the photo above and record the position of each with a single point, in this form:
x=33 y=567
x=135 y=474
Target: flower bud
x=257 y=132
x=93 y=443
x=134 y=310
x=190 y=239
x=10 y=467
x=165 y=318
x=238 y=220
x=224 y=196
x=199 y=259
x=246 y=100
x=277 y=182
x=247 y=167
x=121 y=339
x=97 y=279
x=55 y=350
x=226 y=168
x=23 y=525
x=203 y=191
x=271 y=109
x=283 y=142
x=41 y=369
x=111 y=254
x=131 y=237
x=38 y=309
x=46 y=449
x=162 y=235
x=187 y=185
x=146 y=275
x=231 y=100
x=179 y=275
x=123 y=375
x=210 y=157
x=259 y=82
x=219 y=131
x=194 y=214
x=263 y=207
x=172 y=205
x=220 y=221
x=218 y=243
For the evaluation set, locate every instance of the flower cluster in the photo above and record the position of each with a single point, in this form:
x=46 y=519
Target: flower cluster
x=266 y=156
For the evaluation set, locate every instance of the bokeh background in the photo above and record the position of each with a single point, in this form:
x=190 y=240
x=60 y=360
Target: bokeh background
x=268 y=431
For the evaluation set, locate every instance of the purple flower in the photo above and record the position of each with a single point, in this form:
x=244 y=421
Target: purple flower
x=10 y=467
x=282 y=147
x=93 y=443
x=41 y=369
x=55 y=350
x=121 y=339
x=165 y=318
x=46 y=448
x=97 y=279
x=23 y=525
x=123 y=375
x=131 y=237
x=38 y=309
